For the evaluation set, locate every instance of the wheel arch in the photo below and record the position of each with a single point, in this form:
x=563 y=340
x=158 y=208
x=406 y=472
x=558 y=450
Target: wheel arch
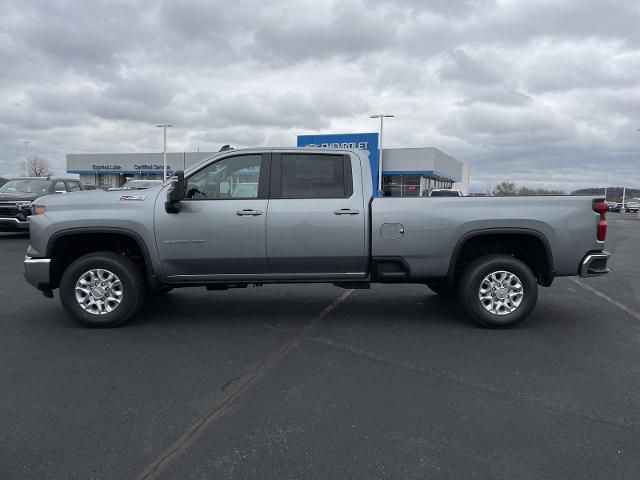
x=543 y=268
x=105 y=239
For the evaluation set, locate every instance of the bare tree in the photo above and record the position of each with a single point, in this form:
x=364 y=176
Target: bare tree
x=38 y=167
x=510 y=189
x=506 y=189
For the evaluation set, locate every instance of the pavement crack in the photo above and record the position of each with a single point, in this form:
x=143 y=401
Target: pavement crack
x=193 y=433
x=231 y=380
x=606 y=297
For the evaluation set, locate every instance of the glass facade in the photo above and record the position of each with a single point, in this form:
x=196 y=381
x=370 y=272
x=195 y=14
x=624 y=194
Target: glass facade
x=412 y=185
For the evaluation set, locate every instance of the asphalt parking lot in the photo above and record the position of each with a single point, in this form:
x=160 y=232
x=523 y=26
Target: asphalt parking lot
x=312 y=381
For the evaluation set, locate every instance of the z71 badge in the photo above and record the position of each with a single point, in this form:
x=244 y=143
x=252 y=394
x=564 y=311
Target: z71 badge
x=132 y=197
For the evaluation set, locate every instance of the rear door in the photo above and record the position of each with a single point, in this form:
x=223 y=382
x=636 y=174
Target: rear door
x=316 y=217
x=219 y=233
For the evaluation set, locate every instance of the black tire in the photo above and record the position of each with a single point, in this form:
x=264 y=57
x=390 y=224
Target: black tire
x=131 y=288
x=503 y=299
x=441 y=288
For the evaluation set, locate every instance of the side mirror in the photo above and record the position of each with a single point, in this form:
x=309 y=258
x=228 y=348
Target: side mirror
x=175 y=193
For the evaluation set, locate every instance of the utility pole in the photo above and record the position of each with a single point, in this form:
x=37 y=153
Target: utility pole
x=381 y=116
x=164 y=127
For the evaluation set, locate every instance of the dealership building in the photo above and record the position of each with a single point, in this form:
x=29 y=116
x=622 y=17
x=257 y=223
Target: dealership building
x=407 y=172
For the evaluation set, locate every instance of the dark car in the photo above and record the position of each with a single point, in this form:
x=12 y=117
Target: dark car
x=17 y=195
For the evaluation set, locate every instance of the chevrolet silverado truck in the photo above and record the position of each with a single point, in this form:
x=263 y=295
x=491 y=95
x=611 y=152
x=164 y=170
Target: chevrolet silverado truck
x=18 y=194
x=288 y=215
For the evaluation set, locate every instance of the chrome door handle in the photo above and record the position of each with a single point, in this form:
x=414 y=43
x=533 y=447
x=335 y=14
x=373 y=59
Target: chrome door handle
x=248 y=213
x=346 y=211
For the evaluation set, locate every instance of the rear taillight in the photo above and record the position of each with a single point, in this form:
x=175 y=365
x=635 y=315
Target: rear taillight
x=600 y=207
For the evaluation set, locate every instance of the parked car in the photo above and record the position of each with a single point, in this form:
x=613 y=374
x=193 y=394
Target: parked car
x=618 y=207
x=137 y=185
x=633 y=207
x=445 y=192
x=17 y=195
x=312 y=217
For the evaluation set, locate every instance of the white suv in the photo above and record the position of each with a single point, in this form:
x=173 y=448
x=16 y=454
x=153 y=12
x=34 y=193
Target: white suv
x=445 y=192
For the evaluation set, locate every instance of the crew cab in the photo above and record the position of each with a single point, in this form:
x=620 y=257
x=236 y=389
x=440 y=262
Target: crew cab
x=17 y=195
x=287 y=215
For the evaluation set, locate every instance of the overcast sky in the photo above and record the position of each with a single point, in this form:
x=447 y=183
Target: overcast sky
x=544 y=93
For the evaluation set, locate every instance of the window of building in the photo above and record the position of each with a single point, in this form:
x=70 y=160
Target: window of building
x=401 y=185
x=314 y=176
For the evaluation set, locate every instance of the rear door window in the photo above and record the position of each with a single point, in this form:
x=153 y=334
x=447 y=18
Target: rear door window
x=313 y=176
x=73 y=186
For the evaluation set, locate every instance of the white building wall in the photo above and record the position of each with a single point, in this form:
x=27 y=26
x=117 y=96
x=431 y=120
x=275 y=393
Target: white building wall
x=463 y=185
x=420 y=160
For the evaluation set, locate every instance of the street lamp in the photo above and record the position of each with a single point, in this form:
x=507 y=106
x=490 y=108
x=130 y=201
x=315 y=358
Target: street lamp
x=381 y=116
x=164 y=127
x=26 y=156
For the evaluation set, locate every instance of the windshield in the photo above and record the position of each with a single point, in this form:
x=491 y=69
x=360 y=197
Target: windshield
x=26 y=186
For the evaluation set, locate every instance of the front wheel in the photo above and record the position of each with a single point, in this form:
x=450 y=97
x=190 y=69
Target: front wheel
x=102 y=289
x=498 y=291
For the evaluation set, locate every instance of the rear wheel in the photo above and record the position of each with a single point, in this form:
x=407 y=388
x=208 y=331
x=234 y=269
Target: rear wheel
x=102 y=289
x=498 y=291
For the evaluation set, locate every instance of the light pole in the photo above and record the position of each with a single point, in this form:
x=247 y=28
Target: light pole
x=26 y=156
x=381 y=116
x=164 y=127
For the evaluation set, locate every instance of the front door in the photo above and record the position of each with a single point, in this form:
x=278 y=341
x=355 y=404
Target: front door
x=316 y=220
x=219 y=232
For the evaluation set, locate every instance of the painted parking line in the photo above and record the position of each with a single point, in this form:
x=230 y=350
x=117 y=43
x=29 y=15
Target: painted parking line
x=188 y=438
x=606 y=297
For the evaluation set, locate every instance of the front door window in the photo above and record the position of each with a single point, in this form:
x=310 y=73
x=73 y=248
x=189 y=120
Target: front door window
x=232 y=178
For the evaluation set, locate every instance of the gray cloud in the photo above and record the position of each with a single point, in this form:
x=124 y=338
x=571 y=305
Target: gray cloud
x=538 y=92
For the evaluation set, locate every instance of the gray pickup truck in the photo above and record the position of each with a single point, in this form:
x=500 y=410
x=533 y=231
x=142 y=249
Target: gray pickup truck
x=286 y=215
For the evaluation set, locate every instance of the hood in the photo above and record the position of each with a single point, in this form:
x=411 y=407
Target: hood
x=16 y=197
x=99 y=197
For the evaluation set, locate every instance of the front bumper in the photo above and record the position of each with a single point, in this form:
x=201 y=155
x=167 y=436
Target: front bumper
x=594 y=264
x=13 y=225
x=36 y=272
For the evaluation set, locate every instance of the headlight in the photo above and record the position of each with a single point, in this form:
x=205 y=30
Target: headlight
x=23 y=204
x=38 y=210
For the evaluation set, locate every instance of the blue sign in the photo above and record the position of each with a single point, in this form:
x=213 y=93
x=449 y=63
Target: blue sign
x=364 y=141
